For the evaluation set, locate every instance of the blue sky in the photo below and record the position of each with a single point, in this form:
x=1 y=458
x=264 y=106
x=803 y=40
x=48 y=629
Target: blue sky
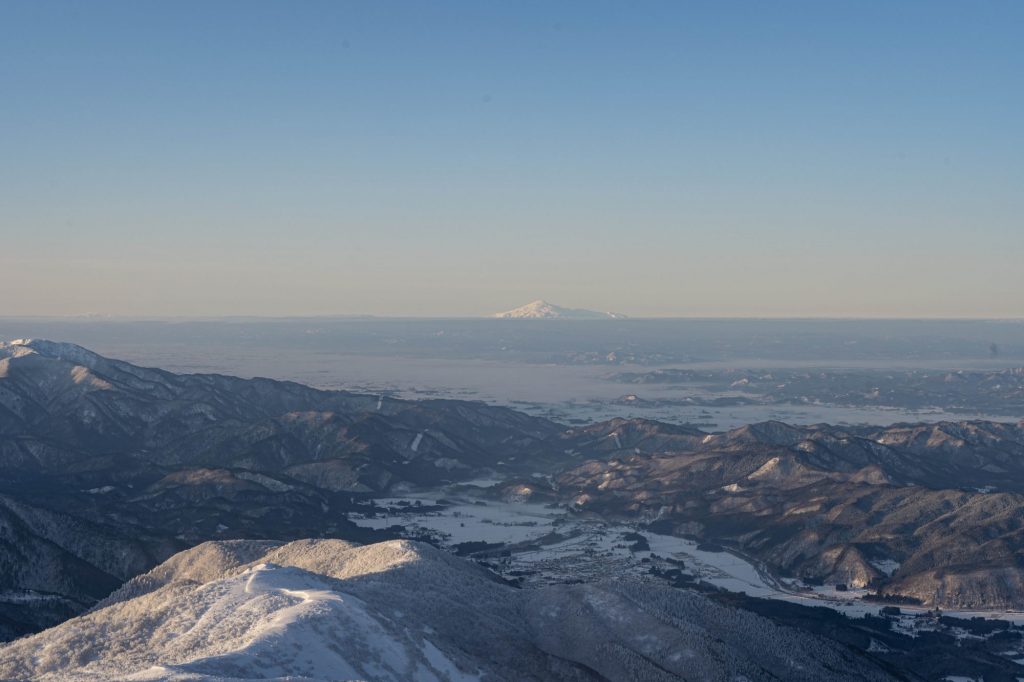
x=457 y=158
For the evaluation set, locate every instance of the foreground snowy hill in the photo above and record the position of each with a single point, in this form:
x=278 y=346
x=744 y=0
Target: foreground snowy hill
x=330 y=610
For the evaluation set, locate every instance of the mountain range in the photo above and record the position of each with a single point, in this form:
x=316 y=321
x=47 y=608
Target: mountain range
x=930 y=512
x=111 y=469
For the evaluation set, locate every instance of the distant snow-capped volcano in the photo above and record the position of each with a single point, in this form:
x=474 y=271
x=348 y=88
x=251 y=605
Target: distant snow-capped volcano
x=542 y=310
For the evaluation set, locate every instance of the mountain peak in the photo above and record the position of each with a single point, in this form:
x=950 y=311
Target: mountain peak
x=543 y=310
x=55 y=350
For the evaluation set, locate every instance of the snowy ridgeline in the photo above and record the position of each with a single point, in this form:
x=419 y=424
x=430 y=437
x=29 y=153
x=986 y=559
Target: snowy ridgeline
x=328 y=610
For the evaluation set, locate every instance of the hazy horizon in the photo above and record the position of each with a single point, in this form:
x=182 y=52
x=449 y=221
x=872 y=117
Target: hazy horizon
x=87 y=317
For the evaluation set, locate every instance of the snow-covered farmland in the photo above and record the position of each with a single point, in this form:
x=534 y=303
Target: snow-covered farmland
x=543 y=544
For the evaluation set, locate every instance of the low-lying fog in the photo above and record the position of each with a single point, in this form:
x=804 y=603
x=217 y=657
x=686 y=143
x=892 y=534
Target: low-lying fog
x=566 y=369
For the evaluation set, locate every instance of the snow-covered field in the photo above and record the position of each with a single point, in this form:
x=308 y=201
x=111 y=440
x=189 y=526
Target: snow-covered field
x=544 y=544
x=589 y=547
x=465 y=522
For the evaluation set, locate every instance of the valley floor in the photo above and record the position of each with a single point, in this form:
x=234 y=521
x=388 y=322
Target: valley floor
x=534 y=544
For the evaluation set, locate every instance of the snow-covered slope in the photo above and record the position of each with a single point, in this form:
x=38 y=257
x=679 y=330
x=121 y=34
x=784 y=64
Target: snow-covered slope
x=330 y=610
x=542 y=310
